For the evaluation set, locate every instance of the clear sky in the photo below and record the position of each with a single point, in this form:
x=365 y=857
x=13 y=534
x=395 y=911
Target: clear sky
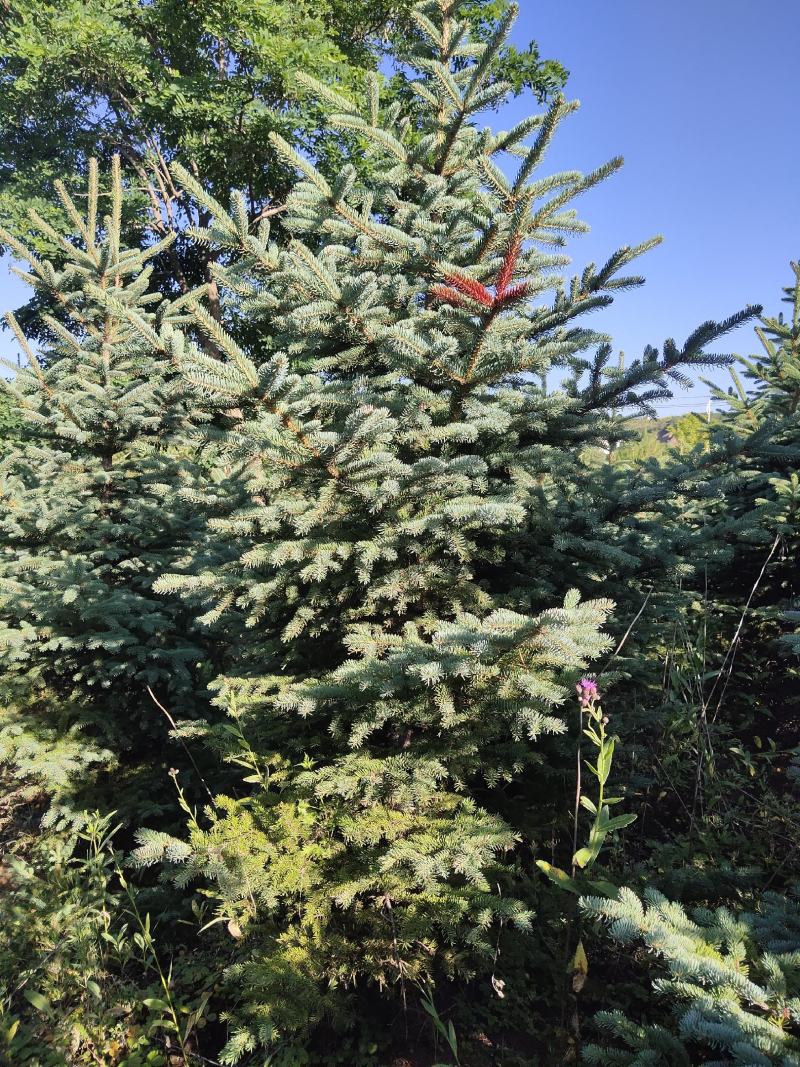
x=701 y=97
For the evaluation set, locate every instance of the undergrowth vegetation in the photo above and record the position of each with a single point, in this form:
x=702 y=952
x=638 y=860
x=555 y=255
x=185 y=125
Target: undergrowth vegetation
x=366 y=697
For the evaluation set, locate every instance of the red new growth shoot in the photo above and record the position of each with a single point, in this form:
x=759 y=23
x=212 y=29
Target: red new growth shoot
x=471 y=288
x=509 y=263
x=458 y=286
x=512 y=294
x=447 y=295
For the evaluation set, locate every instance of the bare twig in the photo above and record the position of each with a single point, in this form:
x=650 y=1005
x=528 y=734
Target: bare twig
x=734 y=645
x=627 y=633
x=185 y=747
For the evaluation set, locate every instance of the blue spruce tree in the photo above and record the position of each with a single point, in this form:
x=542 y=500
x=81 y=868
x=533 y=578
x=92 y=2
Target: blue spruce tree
x=92 y=511
x=730 y=978
x=407 y=611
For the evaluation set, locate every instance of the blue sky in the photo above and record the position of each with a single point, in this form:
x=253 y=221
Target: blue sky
x=701 y=98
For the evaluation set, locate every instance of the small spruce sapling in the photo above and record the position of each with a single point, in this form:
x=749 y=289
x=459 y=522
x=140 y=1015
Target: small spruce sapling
x=92 y=512
x=729 y=978
x=762 y=491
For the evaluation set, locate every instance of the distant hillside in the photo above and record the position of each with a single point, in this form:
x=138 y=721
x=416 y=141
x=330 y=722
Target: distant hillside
x=658 y=435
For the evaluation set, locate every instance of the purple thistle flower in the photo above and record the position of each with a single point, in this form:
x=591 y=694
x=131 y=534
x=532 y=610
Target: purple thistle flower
x=587 y=692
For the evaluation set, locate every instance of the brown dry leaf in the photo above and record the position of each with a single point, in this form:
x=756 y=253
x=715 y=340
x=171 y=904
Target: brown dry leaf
x=579 y=968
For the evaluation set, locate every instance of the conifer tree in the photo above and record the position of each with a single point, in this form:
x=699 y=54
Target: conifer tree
x=409 y=610
x=91 y=510
x=732 y=507
x=10 y=424
x=731 y=981
x=762 y=498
